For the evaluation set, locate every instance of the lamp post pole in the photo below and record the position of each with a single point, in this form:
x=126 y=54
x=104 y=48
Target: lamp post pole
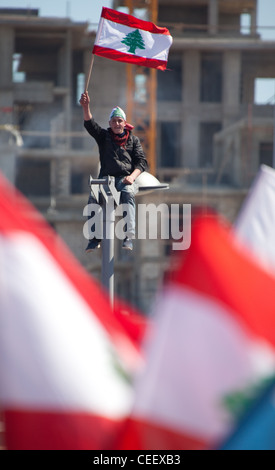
x=104 y=189
x=106 y=194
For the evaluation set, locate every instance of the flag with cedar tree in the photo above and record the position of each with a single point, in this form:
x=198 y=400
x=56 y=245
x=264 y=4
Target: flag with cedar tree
x=125 y=38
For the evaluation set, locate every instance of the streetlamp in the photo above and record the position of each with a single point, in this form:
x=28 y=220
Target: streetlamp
x=106 y=194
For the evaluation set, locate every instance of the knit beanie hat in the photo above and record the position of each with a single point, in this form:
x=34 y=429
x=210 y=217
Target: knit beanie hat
x=117 y=112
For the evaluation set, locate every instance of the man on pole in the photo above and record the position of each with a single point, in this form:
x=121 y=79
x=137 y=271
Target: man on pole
x=121 y=155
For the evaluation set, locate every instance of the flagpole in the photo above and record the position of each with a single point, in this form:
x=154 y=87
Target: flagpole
x=89 y=73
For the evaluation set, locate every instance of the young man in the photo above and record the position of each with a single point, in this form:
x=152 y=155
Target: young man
x=121 y=155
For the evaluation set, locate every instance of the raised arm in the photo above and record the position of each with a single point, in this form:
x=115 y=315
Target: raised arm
x=85 y=103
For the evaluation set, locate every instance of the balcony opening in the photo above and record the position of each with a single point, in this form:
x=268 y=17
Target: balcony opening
x=170 y=144
x=245 y=23
x=264 y=91
x=170 y=82
x=33 y=177
x=80 y=86
x=266 y=153
x=18 y=76
x=211 y=78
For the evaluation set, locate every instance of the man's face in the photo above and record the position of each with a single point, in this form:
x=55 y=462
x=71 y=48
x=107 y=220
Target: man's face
x=117 y=125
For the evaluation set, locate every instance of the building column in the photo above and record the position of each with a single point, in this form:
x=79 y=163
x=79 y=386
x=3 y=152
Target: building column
x=63 y=165
x=231 y=86
x=190 y=108
x=212 y=17
x=253 y=22
x=6 y=84
x=8 y=147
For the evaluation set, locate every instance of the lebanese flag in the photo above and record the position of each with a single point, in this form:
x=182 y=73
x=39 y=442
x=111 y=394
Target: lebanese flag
x=213 y=347
x=125 y=38
x=65 y=357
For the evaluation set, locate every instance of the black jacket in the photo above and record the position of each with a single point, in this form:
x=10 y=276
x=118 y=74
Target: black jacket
x=116 y=160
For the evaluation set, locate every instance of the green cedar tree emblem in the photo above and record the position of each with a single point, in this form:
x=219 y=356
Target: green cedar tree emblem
x=134 y=41
x=239 y=401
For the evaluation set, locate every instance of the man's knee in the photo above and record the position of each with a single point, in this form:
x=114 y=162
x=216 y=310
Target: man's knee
x=127 y=196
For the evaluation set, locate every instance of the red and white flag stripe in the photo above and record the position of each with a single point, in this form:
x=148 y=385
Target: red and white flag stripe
x=64 y=355
x=213 y=347
x=114 y=27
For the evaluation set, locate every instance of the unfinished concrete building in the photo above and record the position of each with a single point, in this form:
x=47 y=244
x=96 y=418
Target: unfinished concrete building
x=211 y=136
x=217 y=61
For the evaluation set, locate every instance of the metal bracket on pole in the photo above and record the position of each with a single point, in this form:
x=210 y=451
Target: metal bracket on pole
x=109 y=200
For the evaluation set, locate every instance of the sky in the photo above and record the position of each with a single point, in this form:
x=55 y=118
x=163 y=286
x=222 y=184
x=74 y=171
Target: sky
x=90 y=10
x=77 y=10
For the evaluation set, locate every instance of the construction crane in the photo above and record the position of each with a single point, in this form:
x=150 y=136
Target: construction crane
x=141 y=89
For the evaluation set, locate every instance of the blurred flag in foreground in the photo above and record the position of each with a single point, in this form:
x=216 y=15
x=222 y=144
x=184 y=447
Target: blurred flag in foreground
x=255 y=224
x=255 y=229
x=213 y=349
x=256 y=430
x=125 y=38
x=65 y=357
